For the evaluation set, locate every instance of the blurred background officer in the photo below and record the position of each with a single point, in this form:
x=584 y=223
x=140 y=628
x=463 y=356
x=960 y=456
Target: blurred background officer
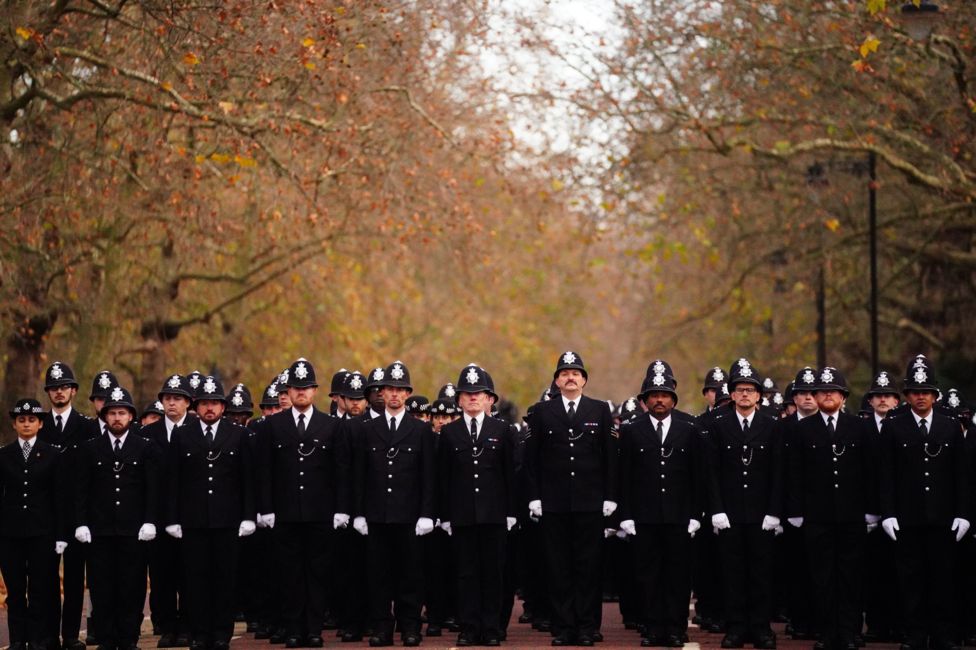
x=660 y=479
x=477 y=505
x=31 y=531
x=572 y=479
x=118 y=478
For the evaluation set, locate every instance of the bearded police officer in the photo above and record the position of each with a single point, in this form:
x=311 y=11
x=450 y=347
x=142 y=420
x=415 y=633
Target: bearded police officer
x=830 y=499
x=210 y=504
x=117 y=503
x=745 y=496
x=31 y=530
x=660 y=480
x=477 y=505
x=304 y=464
x=572 y=480
x=925 y=499
x=394 y=505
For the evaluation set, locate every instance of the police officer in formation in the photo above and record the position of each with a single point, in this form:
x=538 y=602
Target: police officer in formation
x=881 y=499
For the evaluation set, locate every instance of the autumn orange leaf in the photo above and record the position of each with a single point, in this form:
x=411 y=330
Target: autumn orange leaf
x=191 y=59
x=869 y=45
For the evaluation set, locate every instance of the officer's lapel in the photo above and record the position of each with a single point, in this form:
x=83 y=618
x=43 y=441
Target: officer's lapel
x=756 y=427
x=560 y=412
x=404 y=430
x=383 y=428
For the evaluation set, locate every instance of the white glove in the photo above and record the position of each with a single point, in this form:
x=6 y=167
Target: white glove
x=610 y=532
x=693 y=527
x=609 y=507
x=247 y=528
x=535 y=509
x=424 y=525
x=59 y=547
x=720 y=521
x=621 y=534
x=770 y=522
x=446 y=527
x=340 y=520
x=175 y=531
x=872 y=522
x=960 y=526
x=359 y=524
x=268 y=520
x=796 y=522
x=510 y=522
x=259 y=520
x=777 y=531
x=147 y=532
x=890 y=525
x=629 y=527
x=83 y=534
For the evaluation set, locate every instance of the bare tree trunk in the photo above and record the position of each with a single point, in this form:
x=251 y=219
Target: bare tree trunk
x=22 y=372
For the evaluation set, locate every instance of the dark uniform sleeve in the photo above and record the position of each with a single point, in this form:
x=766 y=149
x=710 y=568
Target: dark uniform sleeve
x=81 y=472
x=263 y=460
x=248 y=502
x=793 y=451
x=358 y=448
x=530 y=461
x=611 y=456
x=171 y=486
x=776 y=488
x=510 y=440
x=886 y=490
x=428 y=487
x=443 y=479
x=962 y=480
x=625 y=505
x=713 y=472
x=153 y=465
x=343 y=469
x=869 y=465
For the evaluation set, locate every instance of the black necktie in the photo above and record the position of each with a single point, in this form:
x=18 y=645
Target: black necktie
x=571 y=411
x=660 y=432
x=301 y=425
x=830 y=426
x=27 y=448
x=392 y=426
x=474 y=430
x=922 y=427
x=209 y=435
x=745 y=426
x=59 y=423
x=118 y=446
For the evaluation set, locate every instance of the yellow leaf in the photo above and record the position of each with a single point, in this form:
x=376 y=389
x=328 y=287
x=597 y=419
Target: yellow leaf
x=360 y=46
x=244 y=161
x=199 y=158
x=309 y=65
x=167 y=86
x=219 y=157
x=226 y=107
x=191 y=59
x=557 y=184
x=876 y=6
x=341 y=11
x=308 y=42
x=832 y=224
x=869 y=45
x=25 y=32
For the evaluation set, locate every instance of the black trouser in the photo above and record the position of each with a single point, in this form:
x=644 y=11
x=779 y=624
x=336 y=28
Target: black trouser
x=662 y=566
x=623 y=562
x=304 y=552
x=352 y=564
x=881 y=601
x=30 y=572
x=440 y=577
x=746 y=555
x=923 y=557
x=509 y=579
x=707 y=575
x=210 y=574
x=117 y=585
x=835 y=553
x=572 y=548
x=259 y=572
x=532 y=567
x=479 y=554
x=797 y=577
x=396 y=575
x=75 y=560
x=165 y=580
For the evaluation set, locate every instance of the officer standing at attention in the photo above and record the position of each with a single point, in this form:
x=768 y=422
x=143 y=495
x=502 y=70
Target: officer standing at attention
x=30 y=527
x=925 y=506
x=67 y=428
x=572 y=479
x=745 y=495
x=210 y=504
x=477 y=505
x=660 y=477
x=395 y=505
x=118 y=478
x=304 y=466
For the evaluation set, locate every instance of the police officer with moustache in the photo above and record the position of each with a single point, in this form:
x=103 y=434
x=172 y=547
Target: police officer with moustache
x=165 y=565
x=395 y=505
x=925 y=500
x=477 y=505
x=210 y=504
x=830 y=499
x=65 y=427
x=304 y=465
x=745 y=495
x=572 y=481
x=31 y=523
x=660 y=479
x=117 y=500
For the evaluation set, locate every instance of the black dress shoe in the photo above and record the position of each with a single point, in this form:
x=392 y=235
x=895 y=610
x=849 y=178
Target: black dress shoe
x=647 y=642
x=714 y=627
x=90 y=638
x=294 y=642
x=492 y=640
x=543 y=626
x=262 y=633
x=585 y=640
x=277 y=637
x=221 y=645
x=412 y=640
x=73 y=644
x=820 y=645
x=732 y=640
x=380 y=641
x=198 y=645
x=20 y=645
x=434 y=630
x=563 y=640
x=765 y=641
x=467 y=640
x=330 y=622
x=597 y=636
x=182 y=641
x=314 y=641
x=858 y=641
x=525 y=618
x=252 y=627
x=674 y=641
x=350 y=636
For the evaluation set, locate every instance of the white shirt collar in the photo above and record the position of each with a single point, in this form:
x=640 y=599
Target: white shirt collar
x=800 y=416
x=65 y=414
x=576 y=402
x=749 y=418
x=928 y=419
x=170 y=425
x=666 y=422
x=33 y=441
x=102 y=426
x=213 y=427
x=121 y=438
x=480 y=419
x=827 y=415
x=399 y=417
x=373 y=414
x=307 y=412
x=878 y=419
